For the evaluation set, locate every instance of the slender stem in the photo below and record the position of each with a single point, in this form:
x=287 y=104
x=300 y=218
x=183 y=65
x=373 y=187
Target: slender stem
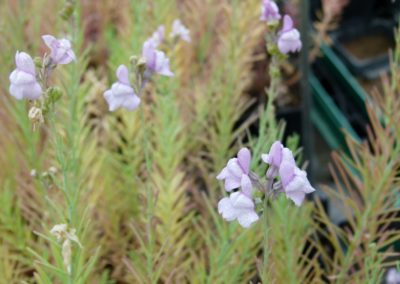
x=272 y=92
x=149 y=200
x=266 y=231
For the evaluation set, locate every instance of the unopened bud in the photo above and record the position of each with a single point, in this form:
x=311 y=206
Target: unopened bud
x=67 y=10
x=141 y=65
x=52 y=170
x=54 y=94
x=133 y=60
x=38 y=62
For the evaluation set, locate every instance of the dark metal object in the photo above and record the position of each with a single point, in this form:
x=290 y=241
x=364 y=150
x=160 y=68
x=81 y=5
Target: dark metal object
x=307 y=128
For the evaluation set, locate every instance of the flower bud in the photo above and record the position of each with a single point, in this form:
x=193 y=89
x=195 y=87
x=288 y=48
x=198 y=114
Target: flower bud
x=67 y=10
x=38 y=62
x=141 y=65
x=133 y=60
x=54 y=94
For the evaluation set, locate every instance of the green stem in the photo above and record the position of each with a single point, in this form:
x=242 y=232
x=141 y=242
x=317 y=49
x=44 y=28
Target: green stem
x=272 y=92
x=266 y=231
x=149 y=199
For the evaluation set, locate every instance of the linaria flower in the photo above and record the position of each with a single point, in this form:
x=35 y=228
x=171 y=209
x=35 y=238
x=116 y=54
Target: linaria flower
x=61 y=52
x=393 y=277
x=238 y=206
x=24 y=84
x=156 y=61
x=288 y=37
x=158 y=36
x=294 y=180
x=236 y=172
x=121 y=93
x=269 y=12
x=274 y=159
x=180 y=31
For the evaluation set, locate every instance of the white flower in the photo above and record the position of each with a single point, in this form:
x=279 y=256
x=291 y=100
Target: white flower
x=61 y=52
x=121 y=94
x=180 y=31
x=240 y=207
x=23 y=79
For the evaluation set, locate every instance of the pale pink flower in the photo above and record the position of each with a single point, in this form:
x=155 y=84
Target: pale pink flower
x=238 y=206
x=269 y=12
x=393 y=277
x=24 y=84
x=61 y=52
x=158 y=36
x=236 y=173
x=289 y=37
x=294 y=180
x=274 y=159
x=121 y=93
x=180 y=31
x=156 y=61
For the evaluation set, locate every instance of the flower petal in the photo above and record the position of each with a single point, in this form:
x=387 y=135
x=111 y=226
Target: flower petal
x=287 y=23
x=223 y=174
x=232 y=182
x=286 y=172
x=131 y=102
x=241 y=201
x=248 y=218
x=17 y=91
x=123 y=74
x=234 y=168
x=226 y=209
x=244 y=158
x=247 y=187
x=25 y=63
x=19 y=77
x=49 y=40
x=296 y=196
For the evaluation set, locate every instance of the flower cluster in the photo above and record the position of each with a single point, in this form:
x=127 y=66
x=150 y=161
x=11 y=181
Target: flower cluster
x=283 y=175
x=123 y=93
x=29 y=79
x=288 y=38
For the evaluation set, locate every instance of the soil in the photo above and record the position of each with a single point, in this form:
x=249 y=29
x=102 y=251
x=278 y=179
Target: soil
x=369 y=46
